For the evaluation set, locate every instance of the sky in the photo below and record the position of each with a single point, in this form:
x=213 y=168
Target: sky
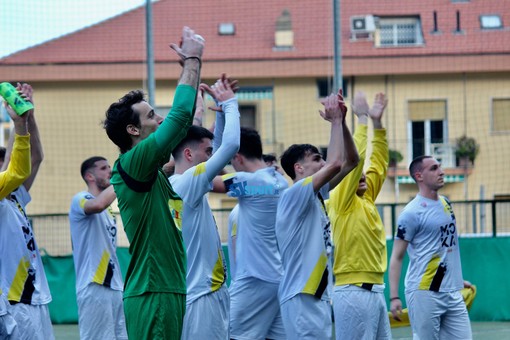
x=30 y=22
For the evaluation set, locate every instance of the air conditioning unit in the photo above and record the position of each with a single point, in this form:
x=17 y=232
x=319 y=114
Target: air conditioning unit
x=362 y=24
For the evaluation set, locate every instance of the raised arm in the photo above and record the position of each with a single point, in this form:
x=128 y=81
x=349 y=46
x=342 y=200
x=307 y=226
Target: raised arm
x=36 y=149
x=376 y=173
x=223 y=94
x=190 y=51
x=342 y=196
x=334 y=112
x=17 y=157
x=351 y=157
x=177 y=122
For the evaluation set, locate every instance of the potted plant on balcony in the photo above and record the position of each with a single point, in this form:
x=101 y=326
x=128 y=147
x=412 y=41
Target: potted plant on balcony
x=466 y=150
x=394 y=158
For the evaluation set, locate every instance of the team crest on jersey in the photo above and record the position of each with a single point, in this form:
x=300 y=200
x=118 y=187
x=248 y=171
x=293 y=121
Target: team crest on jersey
x=175 y=207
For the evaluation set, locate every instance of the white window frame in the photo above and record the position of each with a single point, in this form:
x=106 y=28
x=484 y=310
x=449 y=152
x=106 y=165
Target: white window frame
x=395 y=22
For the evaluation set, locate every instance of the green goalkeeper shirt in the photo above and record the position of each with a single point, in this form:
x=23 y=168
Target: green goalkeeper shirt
x=148 y=205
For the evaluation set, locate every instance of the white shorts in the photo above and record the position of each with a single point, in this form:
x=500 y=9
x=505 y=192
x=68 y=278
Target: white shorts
x=360 y=313
x=101 y=313
x=255 y=310
x=208 y=317
x=34 y=322
x=436 y=315
x=306 y=317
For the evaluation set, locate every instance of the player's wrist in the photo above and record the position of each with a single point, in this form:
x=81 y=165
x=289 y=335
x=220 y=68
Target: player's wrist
x=395 y=298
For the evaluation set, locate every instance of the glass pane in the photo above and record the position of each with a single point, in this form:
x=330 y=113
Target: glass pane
x=248 y=116
x=436 y=131
x=490 y=21
x=406 y=34
x=418 y=138
x=386 y=34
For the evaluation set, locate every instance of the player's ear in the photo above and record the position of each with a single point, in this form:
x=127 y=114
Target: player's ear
x=298 y=168
x=187 y=154
x=132 y=130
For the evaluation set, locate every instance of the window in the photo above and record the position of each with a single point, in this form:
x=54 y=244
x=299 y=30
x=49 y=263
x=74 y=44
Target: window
x=492 y=21
x=428 y=130
x=399 y=32
x=500 y=115
x=248 y=116
x=325 y=87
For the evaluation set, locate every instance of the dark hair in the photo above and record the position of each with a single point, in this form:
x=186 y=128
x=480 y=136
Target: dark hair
x=416 y=165
x=269 y=158
x=294 y=154
x=250 y=144
x=193 y=137
x=119 y=115
x=89 y=164
x=2 y=153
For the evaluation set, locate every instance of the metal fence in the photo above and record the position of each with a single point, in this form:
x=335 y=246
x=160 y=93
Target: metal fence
x=482 y=218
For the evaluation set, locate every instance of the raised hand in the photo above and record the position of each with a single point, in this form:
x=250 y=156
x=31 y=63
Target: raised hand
x=190 y=46
x=334 y=107
x=222 y=90
x=377 y=109
x=26 y=92
x=360 y=104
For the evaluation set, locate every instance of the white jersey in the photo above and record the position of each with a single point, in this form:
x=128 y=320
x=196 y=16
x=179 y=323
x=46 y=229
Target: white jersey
x=207 y=269
x=232 y=232
x=301 y=222
x=257 y=252
x=206 y=264
x=21 y=267
x=94 y=239
x=434 y=257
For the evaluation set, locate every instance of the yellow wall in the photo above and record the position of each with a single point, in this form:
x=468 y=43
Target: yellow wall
x=70 y=114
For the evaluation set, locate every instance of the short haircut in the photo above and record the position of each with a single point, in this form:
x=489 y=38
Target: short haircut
x=250 y=144
x=90 y=163
x=294 y=154
x=417 y=165
x=119 y=115
x=269 y=158
x=193 y=137
x=2 y=153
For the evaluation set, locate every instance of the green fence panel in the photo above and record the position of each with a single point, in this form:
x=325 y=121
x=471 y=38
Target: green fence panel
x=62 y=280
x=485 y=262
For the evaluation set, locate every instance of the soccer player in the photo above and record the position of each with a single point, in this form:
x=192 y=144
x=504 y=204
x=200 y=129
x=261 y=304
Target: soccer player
x=359 y=235
x=199 y=158
x=94 y=236
x=254 y=307
x=303 y=228
x=155 y=288
x=13 y=176
x=427 y=229
x=21 y=269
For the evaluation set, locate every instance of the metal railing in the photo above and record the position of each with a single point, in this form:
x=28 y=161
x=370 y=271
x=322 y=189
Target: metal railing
x=479 y=218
